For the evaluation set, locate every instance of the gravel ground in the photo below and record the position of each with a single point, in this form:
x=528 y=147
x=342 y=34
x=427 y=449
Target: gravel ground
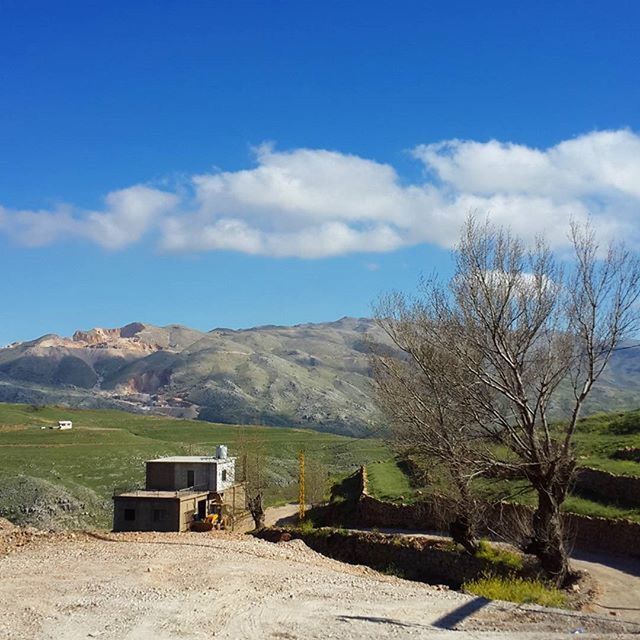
x=221 y=585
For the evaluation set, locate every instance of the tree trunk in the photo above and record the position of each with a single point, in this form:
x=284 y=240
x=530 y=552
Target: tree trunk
x=256 y=507
x=462 y=532
x=465 y=515
x=547 y=542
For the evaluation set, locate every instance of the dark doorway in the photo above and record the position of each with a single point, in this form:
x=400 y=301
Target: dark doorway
x=191 y=479
x=202 y=509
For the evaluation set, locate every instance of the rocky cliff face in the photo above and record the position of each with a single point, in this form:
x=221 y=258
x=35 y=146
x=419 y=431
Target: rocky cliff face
x=123 y=337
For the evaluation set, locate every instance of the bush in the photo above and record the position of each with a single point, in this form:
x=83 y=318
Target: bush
x=628 y=424
x=306 y=526
x=515 y=589
x=627 y=453
x=499 y=556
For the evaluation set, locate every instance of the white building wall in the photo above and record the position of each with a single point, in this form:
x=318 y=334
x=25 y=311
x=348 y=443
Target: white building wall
x=229 y=467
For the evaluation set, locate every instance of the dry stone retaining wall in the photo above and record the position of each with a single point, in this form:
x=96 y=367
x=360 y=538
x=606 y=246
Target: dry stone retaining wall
x=600 y=535
x=624 y=490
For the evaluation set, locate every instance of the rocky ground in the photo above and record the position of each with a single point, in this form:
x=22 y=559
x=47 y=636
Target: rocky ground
x=161 y=586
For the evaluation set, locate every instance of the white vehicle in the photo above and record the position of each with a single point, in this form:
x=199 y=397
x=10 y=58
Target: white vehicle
x=65 y=424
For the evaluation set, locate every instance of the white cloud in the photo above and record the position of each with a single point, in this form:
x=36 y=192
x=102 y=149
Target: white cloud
x=314 y=203
x=128 y=215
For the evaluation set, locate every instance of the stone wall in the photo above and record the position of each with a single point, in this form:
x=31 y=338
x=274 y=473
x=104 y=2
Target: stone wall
x=412 y=558
x=602 y=535
x=623 y=490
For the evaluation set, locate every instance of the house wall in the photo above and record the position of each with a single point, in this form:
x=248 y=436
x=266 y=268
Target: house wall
x=173 y=476
x=178 y=513
x=228 y=466
x=160 y=477
x=188 y=510
x=170 y=518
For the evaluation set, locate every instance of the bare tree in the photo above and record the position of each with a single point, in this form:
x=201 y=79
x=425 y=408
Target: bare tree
x=417 y=393
x=252 y=459
x=316 y=478
x=518 y=329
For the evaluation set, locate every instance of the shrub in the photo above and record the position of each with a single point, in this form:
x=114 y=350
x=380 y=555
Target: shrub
x=306 y=526
x=393 y=570
x=499 y=556
x=627 y=424
x=516 y=589
x=398 y=541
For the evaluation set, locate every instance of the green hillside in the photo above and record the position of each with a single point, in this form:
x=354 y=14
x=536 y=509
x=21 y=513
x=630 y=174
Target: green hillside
x=67 y=478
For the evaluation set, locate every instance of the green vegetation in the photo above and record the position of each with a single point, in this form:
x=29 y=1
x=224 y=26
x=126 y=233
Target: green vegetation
x=595 y=509
x=387 y=481
x=600 y=436
x=106 y=450
x=499 y=556
x=306 y=526
x=516 y=589
x=394 y=570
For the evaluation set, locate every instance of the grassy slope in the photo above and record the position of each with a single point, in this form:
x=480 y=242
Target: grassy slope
x=107 y=449
x=600 y=435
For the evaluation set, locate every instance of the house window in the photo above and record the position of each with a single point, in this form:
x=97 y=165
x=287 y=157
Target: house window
x=159 y=515
x=224 y=475
x=191 y=478
x=129 y=514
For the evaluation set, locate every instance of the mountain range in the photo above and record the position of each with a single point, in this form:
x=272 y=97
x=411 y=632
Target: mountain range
x=308 y=375
x=314 y=375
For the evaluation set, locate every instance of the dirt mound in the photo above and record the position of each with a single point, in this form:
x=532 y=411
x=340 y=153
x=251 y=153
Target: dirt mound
x=174 y=585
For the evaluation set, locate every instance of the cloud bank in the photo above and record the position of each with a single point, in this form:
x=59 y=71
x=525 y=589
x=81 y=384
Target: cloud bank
x=314 y=203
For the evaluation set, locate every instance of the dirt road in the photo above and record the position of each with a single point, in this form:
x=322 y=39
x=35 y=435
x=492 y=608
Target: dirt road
x=619 y=582
x=192 y=586
x=617 y=577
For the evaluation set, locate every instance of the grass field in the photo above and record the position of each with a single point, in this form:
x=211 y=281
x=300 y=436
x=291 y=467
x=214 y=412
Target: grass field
x=387 y=481
x=107 y=449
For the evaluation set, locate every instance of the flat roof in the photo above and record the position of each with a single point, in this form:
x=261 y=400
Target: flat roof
x=205 y=459
x=144 y=493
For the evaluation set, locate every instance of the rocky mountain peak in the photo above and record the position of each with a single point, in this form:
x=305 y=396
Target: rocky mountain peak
x=99 y=335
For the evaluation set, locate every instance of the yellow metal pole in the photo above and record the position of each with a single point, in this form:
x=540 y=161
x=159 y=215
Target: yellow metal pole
x=301 y=500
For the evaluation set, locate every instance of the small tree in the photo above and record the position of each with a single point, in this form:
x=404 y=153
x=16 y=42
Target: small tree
x=518 y=332
x=252 y=459
x=316 y=476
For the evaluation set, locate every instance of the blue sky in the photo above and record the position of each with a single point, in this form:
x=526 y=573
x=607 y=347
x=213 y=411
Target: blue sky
x=241 y=163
